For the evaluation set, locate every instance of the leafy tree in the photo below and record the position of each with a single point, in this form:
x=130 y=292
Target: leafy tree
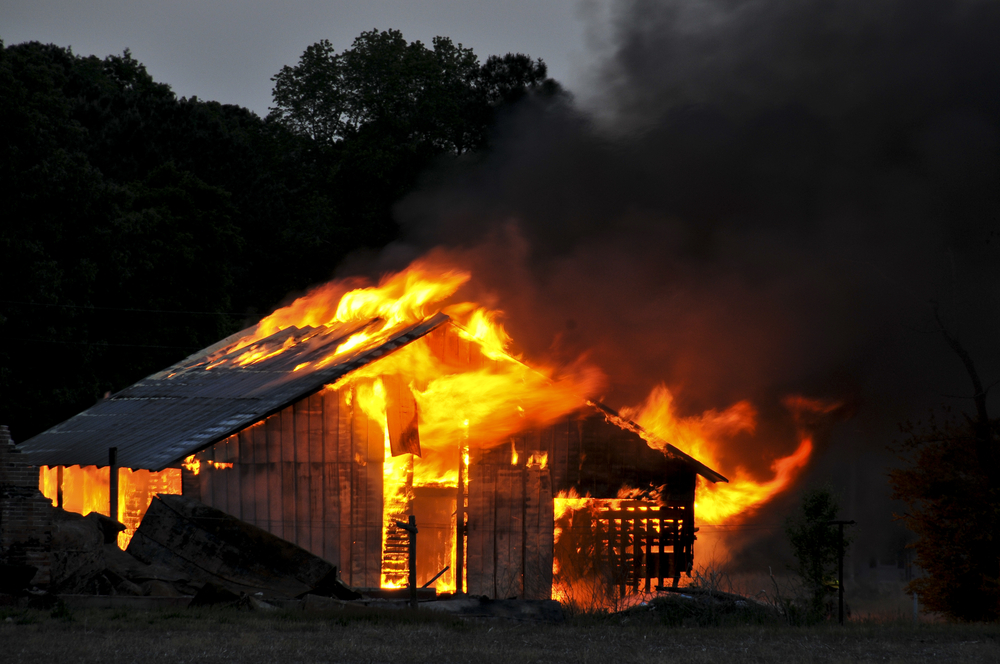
x=439 y=98
x=136 y=223
x=955 y=514
x=385 y=110
x=950 y=482
x=122 y=203
x=816 y=545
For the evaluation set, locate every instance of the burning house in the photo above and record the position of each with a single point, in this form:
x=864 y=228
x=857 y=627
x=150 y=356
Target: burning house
x=351 y=410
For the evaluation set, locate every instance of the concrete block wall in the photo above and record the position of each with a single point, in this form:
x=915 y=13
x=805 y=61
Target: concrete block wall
x=25 y=514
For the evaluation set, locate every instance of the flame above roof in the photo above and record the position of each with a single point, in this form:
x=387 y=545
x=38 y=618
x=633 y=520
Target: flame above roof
x=209 y=395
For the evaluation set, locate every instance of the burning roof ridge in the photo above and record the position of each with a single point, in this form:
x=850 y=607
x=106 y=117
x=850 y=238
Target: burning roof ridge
x=669 y=450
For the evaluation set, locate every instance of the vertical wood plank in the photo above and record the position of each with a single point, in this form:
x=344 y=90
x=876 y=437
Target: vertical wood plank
x=315 y=469
x=288 y=473
x=374 y=517
x=482 y=526
x=219 y=494
x=574 y=450
x=359 y=494
x=303 y=531
x=345 y=482
x=538 y=534
x=331 y=491
x=275 y=518
x=508 y=529
x=245 y=464
x=207 y=491
x=261 y=504
x=558 y=457
x=474 y=532
x=233 y=477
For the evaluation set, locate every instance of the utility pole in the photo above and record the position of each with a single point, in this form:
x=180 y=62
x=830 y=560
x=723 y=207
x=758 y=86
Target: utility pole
x=840 y=564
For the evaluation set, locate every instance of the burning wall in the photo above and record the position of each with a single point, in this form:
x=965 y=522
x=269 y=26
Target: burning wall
x=86 y=489
x=405 y=416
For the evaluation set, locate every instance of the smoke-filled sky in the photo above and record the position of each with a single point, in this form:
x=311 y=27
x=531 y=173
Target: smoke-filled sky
x=228 y=50
x=769 y=200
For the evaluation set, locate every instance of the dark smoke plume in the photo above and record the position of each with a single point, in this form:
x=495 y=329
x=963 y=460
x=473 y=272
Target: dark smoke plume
x=767 y=201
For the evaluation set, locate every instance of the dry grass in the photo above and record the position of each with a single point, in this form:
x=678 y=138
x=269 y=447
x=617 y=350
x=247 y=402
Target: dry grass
x=229 y=636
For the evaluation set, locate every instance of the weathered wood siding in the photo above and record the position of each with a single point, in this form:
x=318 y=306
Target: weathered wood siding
x=310 y=474
x=510 y=527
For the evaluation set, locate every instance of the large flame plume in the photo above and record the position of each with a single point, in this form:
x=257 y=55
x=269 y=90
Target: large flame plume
x=480 y=402
x=704 y=436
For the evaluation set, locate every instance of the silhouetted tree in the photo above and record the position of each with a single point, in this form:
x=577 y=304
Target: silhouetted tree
x=816 y=544
x=437 y=98
x=951 y=486
x=135 y=223
x=386 y=109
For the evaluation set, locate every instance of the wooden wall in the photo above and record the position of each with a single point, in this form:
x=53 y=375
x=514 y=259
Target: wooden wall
x=311 y=474
x=510 y=531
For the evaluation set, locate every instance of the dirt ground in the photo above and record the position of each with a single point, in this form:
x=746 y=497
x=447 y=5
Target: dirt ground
x=228 y=635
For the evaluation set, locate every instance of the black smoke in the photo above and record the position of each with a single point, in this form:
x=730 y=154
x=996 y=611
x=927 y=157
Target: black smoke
x=767 y=200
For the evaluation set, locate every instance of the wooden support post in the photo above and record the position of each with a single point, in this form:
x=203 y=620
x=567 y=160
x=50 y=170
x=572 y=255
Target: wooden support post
x=678 y=552
x=59 y=486
x=113 y=483
x=411 y=530
x=647 y=551
x=460 y=525
x=622 y=566
x=637 y=540
x=662 y=555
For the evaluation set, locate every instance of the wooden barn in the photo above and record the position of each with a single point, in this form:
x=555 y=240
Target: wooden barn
x=277 y=434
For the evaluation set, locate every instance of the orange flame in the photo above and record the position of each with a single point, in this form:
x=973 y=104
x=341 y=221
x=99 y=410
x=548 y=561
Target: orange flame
x=194 y=465
x=404 y=297
x=473 y=398
x=86 y=489
x=704 y=435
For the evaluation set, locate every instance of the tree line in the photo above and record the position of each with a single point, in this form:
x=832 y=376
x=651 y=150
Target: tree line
x=139 y=226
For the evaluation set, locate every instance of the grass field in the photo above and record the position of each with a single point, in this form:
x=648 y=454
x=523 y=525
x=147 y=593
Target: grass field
x=227 y=635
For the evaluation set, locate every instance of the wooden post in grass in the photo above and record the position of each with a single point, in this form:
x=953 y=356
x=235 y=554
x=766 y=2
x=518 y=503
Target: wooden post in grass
x=840 y=565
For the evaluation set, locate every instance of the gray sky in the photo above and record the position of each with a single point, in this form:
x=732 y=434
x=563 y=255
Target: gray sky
x=227 y=50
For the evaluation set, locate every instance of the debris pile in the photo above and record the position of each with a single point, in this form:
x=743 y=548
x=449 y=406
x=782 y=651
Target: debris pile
x=700 y=607
x=202 y=556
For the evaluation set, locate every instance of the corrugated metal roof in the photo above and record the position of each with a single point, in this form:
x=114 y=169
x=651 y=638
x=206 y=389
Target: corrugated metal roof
x=207 y=397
